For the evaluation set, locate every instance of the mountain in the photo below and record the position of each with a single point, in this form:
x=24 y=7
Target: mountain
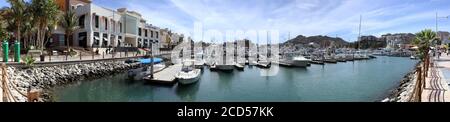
x=322 y=41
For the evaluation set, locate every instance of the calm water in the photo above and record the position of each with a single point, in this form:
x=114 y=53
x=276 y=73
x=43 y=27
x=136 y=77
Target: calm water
x=369 y=80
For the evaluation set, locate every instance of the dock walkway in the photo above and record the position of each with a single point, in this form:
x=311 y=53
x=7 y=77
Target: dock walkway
x=165 y=76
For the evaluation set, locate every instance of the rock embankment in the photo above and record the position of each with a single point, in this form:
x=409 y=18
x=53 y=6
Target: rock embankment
x=44 y=78
x=405 y=89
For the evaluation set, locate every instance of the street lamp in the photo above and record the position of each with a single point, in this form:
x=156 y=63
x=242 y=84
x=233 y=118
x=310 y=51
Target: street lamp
x=437 y=18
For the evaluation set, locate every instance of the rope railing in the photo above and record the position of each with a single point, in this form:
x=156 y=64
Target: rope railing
x=5 y=87
x=421 y=74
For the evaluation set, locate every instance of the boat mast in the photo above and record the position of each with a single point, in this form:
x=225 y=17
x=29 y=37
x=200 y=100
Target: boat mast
x=359 y=34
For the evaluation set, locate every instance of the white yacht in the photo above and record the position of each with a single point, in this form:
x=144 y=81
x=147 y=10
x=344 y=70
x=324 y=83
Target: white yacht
x=188 y=74
x=300 y=61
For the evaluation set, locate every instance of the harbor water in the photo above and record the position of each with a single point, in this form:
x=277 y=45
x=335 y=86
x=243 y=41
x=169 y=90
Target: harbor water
x=358 y=81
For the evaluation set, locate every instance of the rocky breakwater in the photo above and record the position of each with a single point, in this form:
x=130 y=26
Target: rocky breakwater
x=405 y=90
x=44 y=78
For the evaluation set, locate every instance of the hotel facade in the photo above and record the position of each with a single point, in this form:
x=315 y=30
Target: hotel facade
x=101 y=27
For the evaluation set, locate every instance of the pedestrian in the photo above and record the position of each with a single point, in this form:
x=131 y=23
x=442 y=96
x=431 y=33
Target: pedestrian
x=439 y=54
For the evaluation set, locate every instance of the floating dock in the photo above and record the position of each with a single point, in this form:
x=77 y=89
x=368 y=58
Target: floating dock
x=165 y=76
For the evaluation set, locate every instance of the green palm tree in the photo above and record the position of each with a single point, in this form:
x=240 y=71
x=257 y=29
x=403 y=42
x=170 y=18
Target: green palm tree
x=44 y=12
x=17 y=10
x=69 y=22
x=424 y=39
x=28 y=27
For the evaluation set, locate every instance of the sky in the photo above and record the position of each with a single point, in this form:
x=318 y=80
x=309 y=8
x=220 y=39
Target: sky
x=292 y=17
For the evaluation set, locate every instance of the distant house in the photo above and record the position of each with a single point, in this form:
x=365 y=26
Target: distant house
x=398 y=41
x=444 y=35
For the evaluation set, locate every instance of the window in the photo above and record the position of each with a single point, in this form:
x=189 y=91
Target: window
x=120 y=27
x=146 y=35
x=81 y=21
x=140 y=31
x=151 y=34
x=113 y=24
x=96 y=19
x=106 y=23
x=157 y=35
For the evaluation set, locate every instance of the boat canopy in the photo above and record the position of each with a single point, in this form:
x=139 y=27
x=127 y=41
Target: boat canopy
x=149 y=60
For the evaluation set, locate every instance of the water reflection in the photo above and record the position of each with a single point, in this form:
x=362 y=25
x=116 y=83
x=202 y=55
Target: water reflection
x=187 y=93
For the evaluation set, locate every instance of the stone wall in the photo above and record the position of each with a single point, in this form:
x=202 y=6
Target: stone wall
x=44 y=78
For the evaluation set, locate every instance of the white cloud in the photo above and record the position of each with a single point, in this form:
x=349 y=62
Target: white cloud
x=306 y=17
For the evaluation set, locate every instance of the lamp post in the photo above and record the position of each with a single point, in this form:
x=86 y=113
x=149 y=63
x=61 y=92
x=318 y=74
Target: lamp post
x=437 y=18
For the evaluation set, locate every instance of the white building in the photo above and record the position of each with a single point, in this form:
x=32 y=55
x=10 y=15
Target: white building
x=103 y=28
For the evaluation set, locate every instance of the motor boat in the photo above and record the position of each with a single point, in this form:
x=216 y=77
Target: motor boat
x=145 y=69
x=239 y=66
x=188 y=74
x=264 y=64
x=300 y=61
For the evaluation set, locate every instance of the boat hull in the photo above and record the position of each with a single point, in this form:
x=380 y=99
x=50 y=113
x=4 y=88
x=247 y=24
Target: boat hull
x=190 y=80
x=300 y=63
x=225 y=67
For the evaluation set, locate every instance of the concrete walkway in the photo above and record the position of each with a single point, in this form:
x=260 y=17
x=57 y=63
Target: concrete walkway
x=437 y=81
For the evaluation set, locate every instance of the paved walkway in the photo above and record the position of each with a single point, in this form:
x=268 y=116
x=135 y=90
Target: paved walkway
x=437 y=81
x=64 y=58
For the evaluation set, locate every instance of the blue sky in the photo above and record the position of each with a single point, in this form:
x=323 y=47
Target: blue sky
x=305 y=17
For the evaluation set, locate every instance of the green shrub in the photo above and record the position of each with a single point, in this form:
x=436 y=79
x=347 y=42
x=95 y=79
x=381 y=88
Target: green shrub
x=29 y=61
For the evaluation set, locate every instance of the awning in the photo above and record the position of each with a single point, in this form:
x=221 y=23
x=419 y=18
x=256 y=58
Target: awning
x=149 y=60
x=105 y=39
x=146 y=49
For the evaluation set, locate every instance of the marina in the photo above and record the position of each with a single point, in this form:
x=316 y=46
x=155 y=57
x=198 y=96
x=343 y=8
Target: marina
x=331 y=82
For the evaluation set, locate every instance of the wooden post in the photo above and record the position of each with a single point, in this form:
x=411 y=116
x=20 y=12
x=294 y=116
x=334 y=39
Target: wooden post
x=4 y=95
x=419 y=85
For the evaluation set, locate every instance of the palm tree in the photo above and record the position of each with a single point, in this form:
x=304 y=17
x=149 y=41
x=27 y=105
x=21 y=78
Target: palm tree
x=2 y=24
x=69 y=22
x=424 y=39
x=44 y=12
x=18 y=15
x=28 y=27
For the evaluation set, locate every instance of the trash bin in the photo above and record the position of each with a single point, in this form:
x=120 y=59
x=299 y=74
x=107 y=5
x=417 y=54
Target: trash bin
x=42 y=58
x=17 y=51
